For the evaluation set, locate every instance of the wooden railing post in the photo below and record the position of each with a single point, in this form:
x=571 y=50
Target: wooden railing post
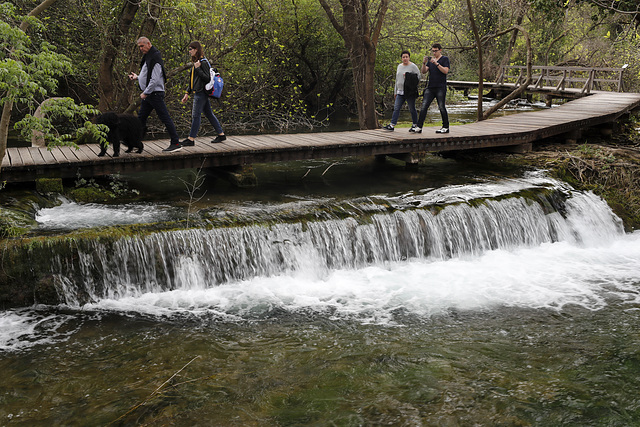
x=561 y=82
x=503 y=70
x=620 y=81
x=589 y=83
x=519 y=79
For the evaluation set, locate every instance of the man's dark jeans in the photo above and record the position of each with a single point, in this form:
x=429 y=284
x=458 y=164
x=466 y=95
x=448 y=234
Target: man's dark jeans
x=440 y=94
x=155 y=101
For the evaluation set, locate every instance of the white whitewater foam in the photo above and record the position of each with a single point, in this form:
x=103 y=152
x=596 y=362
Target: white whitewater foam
x=70 y=215
x=549 y=276
x=24 y=328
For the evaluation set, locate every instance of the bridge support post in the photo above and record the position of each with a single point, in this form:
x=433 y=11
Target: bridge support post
x=380 y=158
x=548 y=101
x=519 y=149
x=242 y=176
x=411 y=160
x=573 y=136
x=606 y=129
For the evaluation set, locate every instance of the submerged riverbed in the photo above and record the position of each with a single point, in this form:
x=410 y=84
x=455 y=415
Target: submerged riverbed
x=498 y=365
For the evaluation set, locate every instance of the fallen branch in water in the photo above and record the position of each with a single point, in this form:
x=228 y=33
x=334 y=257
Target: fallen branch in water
x=332 y=164
x=155 y=392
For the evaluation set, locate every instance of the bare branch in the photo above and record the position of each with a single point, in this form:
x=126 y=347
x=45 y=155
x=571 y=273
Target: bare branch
x=339 y=28
x=611 y=7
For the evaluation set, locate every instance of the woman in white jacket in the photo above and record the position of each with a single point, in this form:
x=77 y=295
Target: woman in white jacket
x=404 y=68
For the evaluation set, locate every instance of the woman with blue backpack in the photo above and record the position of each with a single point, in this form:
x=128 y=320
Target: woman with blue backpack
x=198 y=79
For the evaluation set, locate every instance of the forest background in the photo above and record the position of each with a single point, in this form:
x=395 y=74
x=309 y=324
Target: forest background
x=291 y=64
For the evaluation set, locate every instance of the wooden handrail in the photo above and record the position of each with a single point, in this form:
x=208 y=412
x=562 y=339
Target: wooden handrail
x=566 y=76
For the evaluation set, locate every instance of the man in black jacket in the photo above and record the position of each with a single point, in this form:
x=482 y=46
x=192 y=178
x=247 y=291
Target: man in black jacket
x=437 y=67
x=151 y=81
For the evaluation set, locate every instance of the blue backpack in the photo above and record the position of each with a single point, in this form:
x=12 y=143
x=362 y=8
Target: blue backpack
x=214 y=87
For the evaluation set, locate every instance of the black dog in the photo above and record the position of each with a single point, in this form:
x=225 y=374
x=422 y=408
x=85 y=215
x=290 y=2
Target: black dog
x=122 y=127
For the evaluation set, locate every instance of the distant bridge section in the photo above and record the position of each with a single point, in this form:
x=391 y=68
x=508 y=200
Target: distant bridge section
x=554 y=81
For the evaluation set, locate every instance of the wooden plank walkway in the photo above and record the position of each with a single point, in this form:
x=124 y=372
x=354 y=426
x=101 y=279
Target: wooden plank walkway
x=31 y=163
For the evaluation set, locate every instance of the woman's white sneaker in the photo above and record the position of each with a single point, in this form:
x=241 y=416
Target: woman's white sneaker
x=443 y=130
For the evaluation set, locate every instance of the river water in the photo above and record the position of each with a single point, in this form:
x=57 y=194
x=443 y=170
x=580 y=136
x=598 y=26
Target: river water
x=361 y=294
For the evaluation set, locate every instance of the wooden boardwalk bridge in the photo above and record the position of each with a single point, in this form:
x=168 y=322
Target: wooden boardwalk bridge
x=517 y=131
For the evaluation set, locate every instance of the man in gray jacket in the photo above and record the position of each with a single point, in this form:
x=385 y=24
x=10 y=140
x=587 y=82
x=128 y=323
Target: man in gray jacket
x=151 y=81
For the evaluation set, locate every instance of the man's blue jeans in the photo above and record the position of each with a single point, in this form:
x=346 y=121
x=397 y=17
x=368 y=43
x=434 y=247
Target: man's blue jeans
x=201 y=104
x=411 y=103
x=440 y=94
x=155 y=101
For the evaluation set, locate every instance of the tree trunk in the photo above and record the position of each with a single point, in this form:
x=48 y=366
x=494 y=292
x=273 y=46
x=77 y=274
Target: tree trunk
x=480 y=60
x=363 y=61
x=4 y=128
x=37 y=138
x=8 y=105
x=110 y=50
x=130 y=101
x=361 y=40
x=150 y=21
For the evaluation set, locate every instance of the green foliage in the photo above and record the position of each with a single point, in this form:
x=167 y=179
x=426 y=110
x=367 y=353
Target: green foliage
x=14 y=223
x=613 y=6
x=549 y=6
x=63 y=109
x=94 y=133
x=26 y=70
x=284 y=64
x=29 y=72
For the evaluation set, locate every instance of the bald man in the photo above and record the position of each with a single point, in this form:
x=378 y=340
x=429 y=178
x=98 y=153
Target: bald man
x=151 y=81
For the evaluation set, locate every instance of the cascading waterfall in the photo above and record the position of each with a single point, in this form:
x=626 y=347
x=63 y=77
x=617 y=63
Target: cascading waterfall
x=198 y=259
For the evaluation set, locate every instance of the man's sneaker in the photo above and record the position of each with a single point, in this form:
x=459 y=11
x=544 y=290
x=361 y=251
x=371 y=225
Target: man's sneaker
x=413 y=128
x=173 y=147
x=219 y=138
x=443 y=130
x=416 y=129
x=388 y=127
x=188 y=143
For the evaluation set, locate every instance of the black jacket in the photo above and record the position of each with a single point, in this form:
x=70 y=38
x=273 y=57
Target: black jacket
x=151 y=58
x=199 y=77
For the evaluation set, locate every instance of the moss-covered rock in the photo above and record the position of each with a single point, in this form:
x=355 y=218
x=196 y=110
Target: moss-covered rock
x=45 y=291
x=49 y=185
x=90 y=195
x=14 y=223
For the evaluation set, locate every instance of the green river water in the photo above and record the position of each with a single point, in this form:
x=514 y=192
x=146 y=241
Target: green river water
x=433 y=297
